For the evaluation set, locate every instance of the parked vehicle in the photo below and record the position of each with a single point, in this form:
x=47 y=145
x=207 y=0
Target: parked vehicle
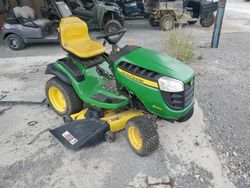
x=22 y=26
x=167 y=14
x=204 y=10
x=130 y=8
x=97 y=15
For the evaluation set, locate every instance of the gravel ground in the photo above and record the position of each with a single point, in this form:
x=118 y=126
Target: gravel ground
x=207 y=151
x=223 y=92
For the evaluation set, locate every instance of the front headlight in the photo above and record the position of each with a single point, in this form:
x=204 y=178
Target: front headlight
x=170 y=84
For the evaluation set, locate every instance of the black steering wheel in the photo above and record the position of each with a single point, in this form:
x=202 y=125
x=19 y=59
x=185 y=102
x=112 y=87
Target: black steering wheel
x=113 y=38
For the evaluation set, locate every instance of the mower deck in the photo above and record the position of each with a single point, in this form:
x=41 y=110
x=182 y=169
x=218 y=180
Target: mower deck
x=78 y=134
x=87 y=132
x=115 y=118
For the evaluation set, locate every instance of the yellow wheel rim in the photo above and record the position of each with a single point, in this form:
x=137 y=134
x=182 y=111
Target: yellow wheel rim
x=57 y=99
x=135 y=137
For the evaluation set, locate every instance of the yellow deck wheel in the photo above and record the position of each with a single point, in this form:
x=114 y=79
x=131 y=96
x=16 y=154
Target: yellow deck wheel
x=57 y=99
x=135 y=137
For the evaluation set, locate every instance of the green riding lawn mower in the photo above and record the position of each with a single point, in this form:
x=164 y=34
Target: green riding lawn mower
x=99 y=93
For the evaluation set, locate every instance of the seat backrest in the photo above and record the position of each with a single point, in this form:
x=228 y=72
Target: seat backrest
x=24 y=12
x=73 y=4
x=63 y=9
x=71 y=29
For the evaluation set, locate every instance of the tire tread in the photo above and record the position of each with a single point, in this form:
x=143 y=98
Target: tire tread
x=73 y=102
x=150 y=137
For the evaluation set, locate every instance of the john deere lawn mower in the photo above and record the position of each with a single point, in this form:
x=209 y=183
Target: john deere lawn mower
x=99 y=94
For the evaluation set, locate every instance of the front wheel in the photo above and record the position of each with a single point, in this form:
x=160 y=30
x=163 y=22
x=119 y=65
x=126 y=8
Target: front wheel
x=207 y=21
x=152 y=21
x=167 y=23
x=192 y=22
x=142 y=135
x=15 y=42
x=112 y=26
x=187 y=116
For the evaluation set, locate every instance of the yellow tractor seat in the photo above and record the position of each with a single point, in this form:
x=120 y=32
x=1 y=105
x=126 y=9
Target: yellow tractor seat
x=75 y=38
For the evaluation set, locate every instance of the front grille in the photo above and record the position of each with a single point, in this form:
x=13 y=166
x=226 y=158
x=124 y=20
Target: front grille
x=180 y=100
x=138 y=71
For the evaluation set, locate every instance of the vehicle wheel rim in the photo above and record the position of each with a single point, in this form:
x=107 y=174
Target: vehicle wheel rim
x=207 y=21
x=135 y=138
x=14 y=42
x=167 y=25
x=113 y=28
x=57 y=99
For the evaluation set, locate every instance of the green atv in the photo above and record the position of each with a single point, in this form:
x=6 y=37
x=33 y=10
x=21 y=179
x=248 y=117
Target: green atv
x=96 y=14
x=99 y=94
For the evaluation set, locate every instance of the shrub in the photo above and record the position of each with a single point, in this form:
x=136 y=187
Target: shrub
x=179 y=44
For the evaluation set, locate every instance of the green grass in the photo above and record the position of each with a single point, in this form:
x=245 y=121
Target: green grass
x=180 y=44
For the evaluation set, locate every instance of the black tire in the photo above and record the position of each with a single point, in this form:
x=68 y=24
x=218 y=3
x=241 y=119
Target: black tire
x=167 y=22
x=73 y=103
x=152 y=21
x=148 y=135
x=207 y=21
x=187 y=116
x=67 y=119
x=192 y=22
x=112 y=26
x=146 y=15
x=109 y=137
x=15 y=42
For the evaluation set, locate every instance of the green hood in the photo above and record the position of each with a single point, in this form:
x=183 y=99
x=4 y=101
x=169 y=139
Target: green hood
x=160 y=63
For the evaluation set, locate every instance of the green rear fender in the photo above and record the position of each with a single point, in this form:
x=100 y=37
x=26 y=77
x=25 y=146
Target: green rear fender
x=93 y=84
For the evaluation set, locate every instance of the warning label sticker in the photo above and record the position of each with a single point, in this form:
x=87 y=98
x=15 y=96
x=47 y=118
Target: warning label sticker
x=69 y=137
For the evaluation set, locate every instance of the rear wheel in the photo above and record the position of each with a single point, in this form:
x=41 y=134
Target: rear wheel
x=167 y=23
x=192 y=22
x=62 y=97
x=142 y=135
x=15 y=42
x=207 y=21
x=112 y=26
x=152 y=21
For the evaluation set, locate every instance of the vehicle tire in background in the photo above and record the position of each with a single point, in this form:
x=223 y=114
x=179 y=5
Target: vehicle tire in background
x=152 y=21
x=146 y=15
x=112 y=26
x=192 y=22
x=15 y=42
x=167 y=22
x=207 y=21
